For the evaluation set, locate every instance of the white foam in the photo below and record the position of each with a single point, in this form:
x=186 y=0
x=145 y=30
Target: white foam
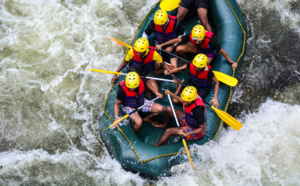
x=288 y=18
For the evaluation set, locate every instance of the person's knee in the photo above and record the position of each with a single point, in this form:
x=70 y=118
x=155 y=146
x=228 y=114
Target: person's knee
x=169 y=131
x=139 y=122
x=160 y=109
x=179 y=49
x=168 y=109
x=175 y=101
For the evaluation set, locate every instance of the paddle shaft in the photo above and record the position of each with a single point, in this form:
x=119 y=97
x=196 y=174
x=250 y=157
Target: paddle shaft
x=127 y=115
x=175 y=56
x=143 y=105
x=174 y=113
x=124 y=74
x=183 y=140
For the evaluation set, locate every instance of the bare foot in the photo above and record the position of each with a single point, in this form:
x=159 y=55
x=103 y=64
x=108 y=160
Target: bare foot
x=162 y=126
x=153 y=123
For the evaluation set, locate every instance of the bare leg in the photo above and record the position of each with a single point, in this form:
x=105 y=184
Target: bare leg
x=181 y=13
x=173 y=60
x=177 y=92
x=151 y=83
x=186 y=48
x=168 y=133
x=202 y=14
x=155 y=110
x=137 y=121
x=168 y=115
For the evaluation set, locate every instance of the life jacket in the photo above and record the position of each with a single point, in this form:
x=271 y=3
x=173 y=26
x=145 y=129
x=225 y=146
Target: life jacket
x=169 y=33
x=190 y=120
x=146 y=63
x=203 y=47
x=132 y=99
x=201 y=80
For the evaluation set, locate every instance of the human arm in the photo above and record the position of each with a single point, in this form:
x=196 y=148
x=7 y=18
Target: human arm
x=170 y=42
x=174 y=96
x=198 y=114
x=149 y=30
x=215 y=98
x=174 y=70
x=179 y=29
x=159 y=61
x=231 y=62
x=123 y=64
x=117 y=108
x=201 y=129
x=154 y=90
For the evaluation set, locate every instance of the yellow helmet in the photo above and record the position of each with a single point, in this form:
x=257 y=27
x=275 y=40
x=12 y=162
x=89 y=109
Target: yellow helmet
x=189 y=93
x=200 y=60
x=132 y=80
x=160 y=17
x=198 y=32
x=141 y=45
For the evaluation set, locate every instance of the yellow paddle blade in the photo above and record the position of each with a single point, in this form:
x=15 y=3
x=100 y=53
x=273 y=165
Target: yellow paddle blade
x=231 y=121
x=224 y=78
x=188 y=153
x=169 y=5
x=116 y=122
x=119 y=42
x=105 y=71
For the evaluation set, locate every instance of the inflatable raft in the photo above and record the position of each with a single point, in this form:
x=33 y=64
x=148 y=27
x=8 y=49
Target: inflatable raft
x=136 y=151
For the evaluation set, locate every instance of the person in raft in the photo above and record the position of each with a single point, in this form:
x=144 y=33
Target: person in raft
x=165 y=27
x=199 y=41
x=130 y=95
x=200 y=76
x=144 y=61
x=192 y=119
x=201 y=5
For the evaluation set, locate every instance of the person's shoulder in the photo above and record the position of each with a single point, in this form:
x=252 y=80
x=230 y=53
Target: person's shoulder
x=121 y=93
x=186 y=37
x=130 y=52
x=211 y=74
x=213 y=38
x=151 y=23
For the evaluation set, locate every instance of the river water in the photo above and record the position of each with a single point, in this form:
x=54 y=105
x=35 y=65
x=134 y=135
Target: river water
x=50 y=102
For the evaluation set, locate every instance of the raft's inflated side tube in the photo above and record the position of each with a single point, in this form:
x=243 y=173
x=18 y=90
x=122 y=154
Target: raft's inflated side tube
x=141 y=156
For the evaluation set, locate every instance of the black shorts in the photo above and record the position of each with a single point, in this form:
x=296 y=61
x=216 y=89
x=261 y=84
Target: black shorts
x=148 y=74
x=188 y=4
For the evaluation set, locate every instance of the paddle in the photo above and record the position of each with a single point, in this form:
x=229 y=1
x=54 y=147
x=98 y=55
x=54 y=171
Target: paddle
x=127 y=115
x=169 y=5
x=183 y=140
x=231 y=121
x=120 y=73
x=120 y=42
x=229 y=80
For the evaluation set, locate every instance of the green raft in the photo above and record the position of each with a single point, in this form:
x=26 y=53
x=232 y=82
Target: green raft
x=136 y=152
